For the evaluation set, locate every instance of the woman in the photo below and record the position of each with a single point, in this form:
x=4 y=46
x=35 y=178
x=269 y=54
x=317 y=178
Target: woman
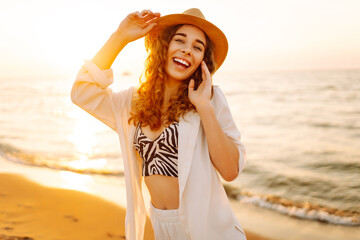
x=176 y=131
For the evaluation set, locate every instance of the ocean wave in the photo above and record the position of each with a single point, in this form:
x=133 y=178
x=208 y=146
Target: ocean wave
x=333 y=125
x=337 y=166
x=301 y=210
x=67 y=164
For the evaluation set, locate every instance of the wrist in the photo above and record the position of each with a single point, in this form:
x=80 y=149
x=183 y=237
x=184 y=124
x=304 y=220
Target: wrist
x=120 y=37
x=204 y=109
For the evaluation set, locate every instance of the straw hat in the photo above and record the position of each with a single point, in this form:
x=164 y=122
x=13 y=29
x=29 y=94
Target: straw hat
x=195 y=17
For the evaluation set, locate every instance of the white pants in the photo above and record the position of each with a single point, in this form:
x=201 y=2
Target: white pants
x=166 y=224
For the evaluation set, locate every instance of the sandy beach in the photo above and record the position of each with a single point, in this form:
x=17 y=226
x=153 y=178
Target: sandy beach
x=37 y=212
x=31 y=211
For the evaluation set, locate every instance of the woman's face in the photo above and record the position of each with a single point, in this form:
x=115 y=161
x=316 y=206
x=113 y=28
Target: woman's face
x=185 y=53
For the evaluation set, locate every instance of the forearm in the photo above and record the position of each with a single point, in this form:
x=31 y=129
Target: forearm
x=105 y=57
x=136 y=25
x=223 y=152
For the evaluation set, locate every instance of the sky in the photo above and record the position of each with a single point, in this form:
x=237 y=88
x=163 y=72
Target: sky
x=51 y=37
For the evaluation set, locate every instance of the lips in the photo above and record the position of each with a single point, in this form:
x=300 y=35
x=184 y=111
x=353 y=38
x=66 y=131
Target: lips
x=181 y=62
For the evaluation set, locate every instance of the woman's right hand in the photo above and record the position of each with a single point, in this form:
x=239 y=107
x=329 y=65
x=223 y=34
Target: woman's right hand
x=137 y=25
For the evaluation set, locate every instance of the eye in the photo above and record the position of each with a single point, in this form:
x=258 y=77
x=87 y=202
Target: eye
x=179 y=40
x=198 y=48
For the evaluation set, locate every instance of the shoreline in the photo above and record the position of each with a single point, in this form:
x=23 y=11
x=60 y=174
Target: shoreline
x=38 y=203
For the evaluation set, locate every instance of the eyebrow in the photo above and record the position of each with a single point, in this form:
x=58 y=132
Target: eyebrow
x=197 y=40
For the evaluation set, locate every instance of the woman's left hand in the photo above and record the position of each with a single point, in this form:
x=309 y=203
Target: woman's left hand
x=202 y=95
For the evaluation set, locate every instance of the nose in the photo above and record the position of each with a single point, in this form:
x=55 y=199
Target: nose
x=186 y=50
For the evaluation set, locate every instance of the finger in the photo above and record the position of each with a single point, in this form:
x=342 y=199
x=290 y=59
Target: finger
x=203 y=76
x=148 y=28
x=191 y=86
x=136 y=16
x=206 y=74
x=145 y=12
x=151 y=17
x=205 y=71
x=148 y=12
x=138 y=19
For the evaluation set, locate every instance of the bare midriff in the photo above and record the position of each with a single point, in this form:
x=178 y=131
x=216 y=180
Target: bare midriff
x=164 y=191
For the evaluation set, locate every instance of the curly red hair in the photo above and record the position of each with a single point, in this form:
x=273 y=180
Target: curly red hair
x=148 y=102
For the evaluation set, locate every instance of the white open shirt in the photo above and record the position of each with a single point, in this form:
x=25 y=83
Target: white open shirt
x=204 y=208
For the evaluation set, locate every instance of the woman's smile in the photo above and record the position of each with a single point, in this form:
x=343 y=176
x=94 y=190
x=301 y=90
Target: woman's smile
x=181 y=63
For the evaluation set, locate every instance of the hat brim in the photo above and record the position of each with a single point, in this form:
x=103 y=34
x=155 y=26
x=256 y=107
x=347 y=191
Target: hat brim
x=216 y=36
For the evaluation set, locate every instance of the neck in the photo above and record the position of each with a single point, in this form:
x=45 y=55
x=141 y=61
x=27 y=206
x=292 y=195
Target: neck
x=171 y=87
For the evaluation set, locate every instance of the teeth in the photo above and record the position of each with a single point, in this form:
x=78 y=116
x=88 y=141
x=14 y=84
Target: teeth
x=182 y=61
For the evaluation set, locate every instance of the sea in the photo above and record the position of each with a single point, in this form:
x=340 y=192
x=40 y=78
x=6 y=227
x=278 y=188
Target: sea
x=301 y=130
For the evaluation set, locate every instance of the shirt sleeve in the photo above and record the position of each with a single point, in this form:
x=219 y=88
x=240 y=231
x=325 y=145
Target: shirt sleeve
x=91 y=92
x=228 y=125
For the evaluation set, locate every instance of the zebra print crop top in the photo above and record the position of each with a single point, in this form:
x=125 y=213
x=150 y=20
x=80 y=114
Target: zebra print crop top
x=160 y=156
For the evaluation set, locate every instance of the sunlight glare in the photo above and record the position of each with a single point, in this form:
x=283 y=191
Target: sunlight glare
x=76 y=181
x=84 y=163
x=84 y=140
